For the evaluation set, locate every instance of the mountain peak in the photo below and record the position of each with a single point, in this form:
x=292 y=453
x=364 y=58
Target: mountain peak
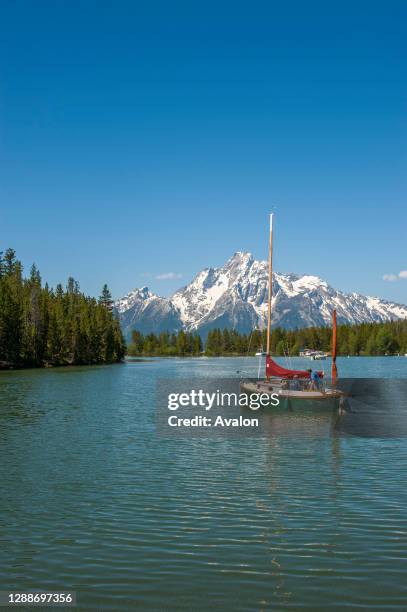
x=240 y=257
x=126 y=302
x=310 y=281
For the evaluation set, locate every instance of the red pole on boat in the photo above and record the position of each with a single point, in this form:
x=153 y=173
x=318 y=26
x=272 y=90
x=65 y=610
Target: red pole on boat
x=334 y=368
x=270 y=295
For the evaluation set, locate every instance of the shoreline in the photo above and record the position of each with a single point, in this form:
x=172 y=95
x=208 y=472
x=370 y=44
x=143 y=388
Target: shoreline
x=4 y=367
x=142 y=357
x=148 y=358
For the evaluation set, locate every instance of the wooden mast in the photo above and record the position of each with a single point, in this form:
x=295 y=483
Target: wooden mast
x=270 y=284
x=334 y=368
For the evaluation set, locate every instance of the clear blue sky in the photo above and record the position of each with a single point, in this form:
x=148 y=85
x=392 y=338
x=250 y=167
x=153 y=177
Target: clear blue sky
x=141 y=139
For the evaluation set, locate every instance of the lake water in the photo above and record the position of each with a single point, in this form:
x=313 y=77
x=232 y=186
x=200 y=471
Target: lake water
x=93 y=501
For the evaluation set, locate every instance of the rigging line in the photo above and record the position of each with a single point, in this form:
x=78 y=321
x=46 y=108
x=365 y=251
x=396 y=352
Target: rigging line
x=248 y=346
x=248 y=349
x=289 y=356
x=285 y=354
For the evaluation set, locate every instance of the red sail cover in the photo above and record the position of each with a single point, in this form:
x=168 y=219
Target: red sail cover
x=273 y=369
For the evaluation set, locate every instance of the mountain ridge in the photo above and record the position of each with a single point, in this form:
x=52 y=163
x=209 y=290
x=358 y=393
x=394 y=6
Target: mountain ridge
x=235 y=296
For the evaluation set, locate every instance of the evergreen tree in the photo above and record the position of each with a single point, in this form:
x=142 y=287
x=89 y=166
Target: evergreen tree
x=106 y=298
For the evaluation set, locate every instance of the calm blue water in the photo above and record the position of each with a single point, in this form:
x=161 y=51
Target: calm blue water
x=93 y=501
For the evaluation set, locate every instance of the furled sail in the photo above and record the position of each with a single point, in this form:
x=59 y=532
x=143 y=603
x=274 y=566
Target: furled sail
x=273 y=369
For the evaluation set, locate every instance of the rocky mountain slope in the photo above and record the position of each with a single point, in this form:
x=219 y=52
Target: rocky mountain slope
x=235 y=296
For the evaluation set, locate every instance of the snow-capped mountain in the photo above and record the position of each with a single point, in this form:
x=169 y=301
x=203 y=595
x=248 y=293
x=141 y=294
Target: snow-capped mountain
x=140 y=309
x=235 y=296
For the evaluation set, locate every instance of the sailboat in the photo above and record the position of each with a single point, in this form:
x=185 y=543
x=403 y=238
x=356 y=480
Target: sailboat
x=293 y=384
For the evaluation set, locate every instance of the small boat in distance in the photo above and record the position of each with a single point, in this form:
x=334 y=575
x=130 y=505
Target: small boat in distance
x=319 y=356
x=261 y=353
x=312 y=354
x=286 y=383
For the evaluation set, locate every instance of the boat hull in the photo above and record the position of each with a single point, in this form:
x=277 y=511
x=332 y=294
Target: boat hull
x=276 y=387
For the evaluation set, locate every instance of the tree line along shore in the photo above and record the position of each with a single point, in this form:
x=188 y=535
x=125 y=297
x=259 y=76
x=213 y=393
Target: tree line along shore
x=40 y=326
x=388 y=338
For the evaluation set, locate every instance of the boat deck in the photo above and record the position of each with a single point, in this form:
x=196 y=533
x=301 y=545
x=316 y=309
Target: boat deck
x=281 y=387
